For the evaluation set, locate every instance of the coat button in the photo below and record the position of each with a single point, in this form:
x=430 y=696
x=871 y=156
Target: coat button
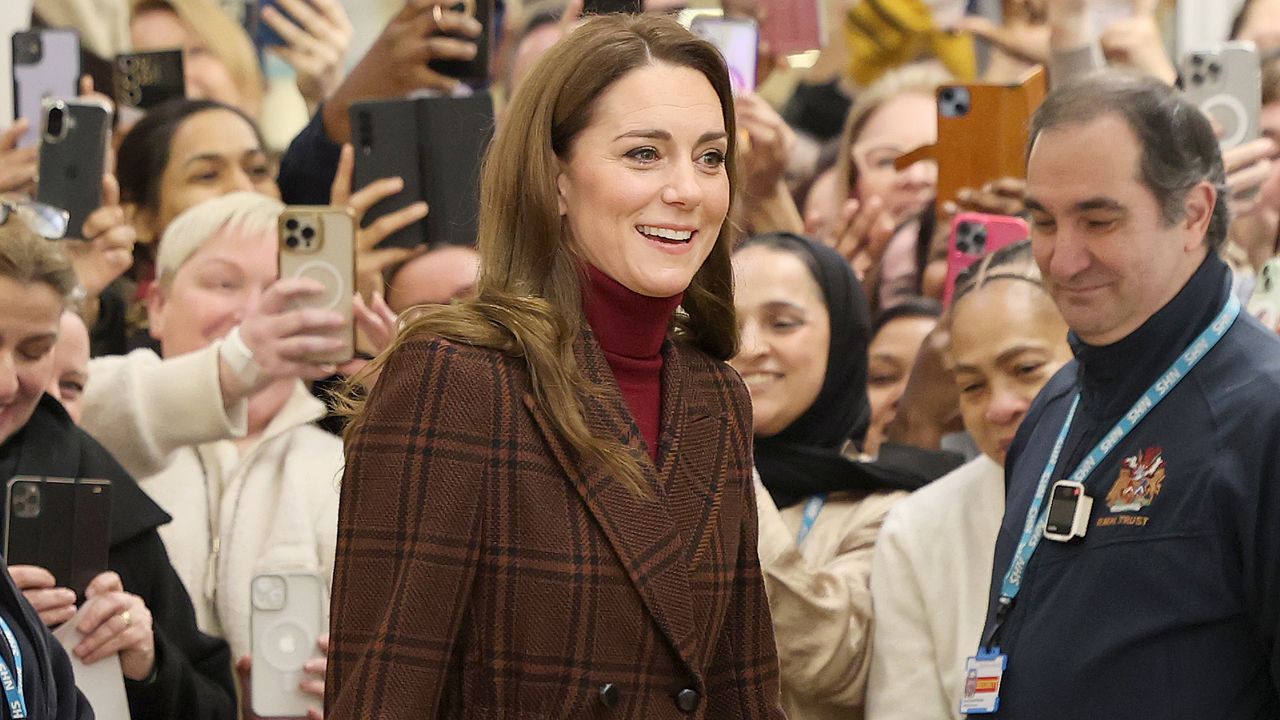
x=687 y=700
x=609 y=694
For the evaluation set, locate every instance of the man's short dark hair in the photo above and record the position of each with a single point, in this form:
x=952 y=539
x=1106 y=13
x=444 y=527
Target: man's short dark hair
x=1178 y=145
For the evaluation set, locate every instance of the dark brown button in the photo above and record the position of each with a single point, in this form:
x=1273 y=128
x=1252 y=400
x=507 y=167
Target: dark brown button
x=609 y=694
x=687 y=700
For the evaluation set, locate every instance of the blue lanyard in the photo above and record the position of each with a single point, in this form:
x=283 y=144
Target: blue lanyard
x=1038 y=517
x=12 y=680
x=811 y=510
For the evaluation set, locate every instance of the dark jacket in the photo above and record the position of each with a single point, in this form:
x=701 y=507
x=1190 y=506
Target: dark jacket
x=1168 y=607
x=193 y=670
x=483 y=572
x=49 y=686
x=309 y=165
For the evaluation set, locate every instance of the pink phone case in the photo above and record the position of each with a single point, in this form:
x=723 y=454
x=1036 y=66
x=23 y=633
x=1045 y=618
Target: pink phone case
x=974 y=235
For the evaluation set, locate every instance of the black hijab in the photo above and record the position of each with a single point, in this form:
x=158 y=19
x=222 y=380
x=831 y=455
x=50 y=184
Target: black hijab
x=805 y=458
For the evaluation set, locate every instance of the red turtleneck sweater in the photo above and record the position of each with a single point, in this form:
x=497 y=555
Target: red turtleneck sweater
x=630 y=328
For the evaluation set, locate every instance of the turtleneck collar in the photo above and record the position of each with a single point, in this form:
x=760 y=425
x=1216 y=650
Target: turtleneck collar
x=626 y=323
x=1113 y=376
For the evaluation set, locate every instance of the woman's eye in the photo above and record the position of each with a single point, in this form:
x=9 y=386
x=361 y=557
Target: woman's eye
x=1029 y=368
x=260 y=171
x=1100 y=225
x=970 y=388
x=1042 y=224
x=35 y=352
x=70 y=389
x=882 y=379
x=644 y=154
x=713 y=158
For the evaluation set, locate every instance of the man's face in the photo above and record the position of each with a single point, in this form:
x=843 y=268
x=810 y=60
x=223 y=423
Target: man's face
x=1108 y=258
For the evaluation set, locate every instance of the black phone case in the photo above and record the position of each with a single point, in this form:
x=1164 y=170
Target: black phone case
x=454 y=134
x=475 y=70
x=71 y=167
x=385 y=137
x=66 y=529
x=146 y=79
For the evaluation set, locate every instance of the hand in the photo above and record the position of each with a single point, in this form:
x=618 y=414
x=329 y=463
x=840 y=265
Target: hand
x=396 y=64
x=311 y=684
x=1023 y=35
x=862 y=233
x=17 y=165
x=1006 y=196
x=770 y=145
x=107 y=249
x=1248 y=167
x=1135 y=42
x=55 y=605
x=114 y=622
x=376 y=321
x=318 y=36
x=930 y=405
x=371 y=261
x=282 y=338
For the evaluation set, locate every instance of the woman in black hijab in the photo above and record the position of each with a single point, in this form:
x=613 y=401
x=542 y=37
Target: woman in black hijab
x=805 y=329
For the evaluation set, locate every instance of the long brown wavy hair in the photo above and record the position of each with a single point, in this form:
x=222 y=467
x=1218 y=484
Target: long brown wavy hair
x=528 y=297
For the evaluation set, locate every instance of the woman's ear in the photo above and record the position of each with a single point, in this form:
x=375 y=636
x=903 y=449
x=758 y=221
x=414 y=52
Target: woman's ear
x=563 y=186
x=155 y=310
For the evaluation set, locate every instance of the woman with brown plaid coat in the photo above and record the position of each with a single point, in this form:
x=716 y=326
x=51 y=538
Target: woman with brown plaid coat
x=547 y=510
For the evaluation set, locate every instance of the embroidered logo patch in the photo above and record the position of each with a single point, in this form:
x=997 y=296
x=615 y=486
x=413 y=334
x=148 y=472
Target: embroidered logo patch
x=1141 y=477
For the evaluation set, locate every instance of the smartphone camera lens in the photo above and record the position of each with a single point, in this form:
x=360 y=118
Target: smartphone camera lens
x=308 y=232
x=948 y=95
x=1197 y=59
x=291 y=224
x=55 y=123
x=1214 y=68
x=291 y=241
x=1197 y=79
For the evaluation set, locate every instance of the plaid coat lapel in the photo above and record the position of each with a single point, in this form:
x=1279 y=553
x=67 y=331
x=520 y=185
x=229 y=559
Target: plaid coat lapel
x=642 y=530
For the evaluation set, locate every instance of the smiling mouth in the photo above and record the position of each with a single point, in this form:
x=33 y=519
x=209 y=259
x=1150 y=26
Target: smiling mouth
x=666 y=235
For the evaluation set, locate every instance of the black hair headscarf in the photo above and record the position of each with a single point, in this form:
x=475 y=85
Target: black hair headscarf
x=805 y=458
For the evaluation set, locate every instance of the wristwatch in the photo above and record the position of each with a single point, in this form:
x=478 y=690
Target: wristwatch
x=239 y=358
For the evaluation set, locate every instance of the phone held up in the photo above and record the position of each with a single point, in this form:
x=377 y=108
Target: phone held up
x=476 y=70
x=974 y=235
x=73 y=153
x=319 y=242
x=1225 y=82
x=286 y=618
x=46 y=65
x=145 y=79
x=738 y=40
x=60 y=524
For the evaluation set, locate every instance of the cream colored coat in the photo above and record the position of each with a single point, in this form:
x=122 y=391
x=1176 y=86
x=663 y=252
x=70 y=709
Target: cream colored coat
x=820 y=597
x=930 y=583
x=271 y=507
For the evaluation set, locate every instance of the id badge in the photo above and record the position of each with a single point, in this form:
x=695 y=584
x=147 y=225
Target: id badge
x=982 y=674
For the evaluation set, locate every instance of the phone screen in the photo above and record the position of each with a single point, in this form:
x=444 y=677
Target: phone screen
x=738 y=41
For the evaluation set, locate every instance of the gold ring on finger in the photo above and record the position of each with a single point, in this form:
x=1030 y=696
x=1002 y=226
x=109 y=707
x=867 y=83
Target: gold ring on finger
x=127 y=618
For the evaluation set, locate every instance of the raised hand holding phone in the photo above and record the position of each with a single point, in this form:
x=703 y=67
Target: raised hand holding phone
x=313 y=37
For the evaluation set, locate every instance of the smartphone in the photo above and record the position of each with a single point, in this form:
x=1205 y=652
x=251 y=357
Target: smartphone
x=738 y=40
x=46 y=64
x=1226 y=83
x=476 y=70
x=1264 y=304
x=319 y=242
x=145 y=79
x=263 y=34
x=385 y=136
x=974 y=235
x=612 y=7
x=453 y=135
x=286 y=618
x=982 y=133
x=60 y=524
x=73 y=152
x=793 y=26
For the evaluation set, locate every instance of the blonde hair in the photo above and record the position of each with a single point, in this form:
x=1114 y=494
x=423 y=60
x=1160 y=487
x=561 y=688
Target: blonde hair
x=26 y=258
x=224 y=38
x=242 y=211
x=528 y=297
x=921 y=79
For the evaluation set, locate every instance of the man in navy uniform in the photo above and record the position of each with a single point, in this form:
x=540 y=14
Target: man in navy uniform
x=1162 y=599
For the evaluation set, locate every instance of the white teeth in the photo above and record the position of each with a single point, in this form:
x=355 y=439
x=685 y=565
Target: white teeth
x=666 y=234
x=758 y=378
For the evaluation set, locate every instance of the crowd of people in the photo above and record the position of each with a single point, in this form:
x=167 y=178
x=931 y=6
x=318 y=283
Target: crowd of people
x=707 y=420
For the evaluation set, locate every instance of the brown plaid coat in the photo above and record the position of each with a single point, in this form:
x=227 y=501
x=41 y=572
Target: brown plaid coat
x=483 y=573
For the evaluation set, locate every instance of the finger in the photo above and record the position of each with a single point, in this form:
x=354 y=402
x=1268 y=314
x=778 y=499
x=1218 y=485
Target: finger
x=306 y=322
x=102 y=583
x=312 y=686
x=135 y=637
x=335 y=14
x=340 y=190
x=57 y=616
x=288 y=31
x=296 y=349
x=99 y=610
x=369 y=195
x=244 y=665
x=447 y=48
x=572 y=14
x=315 y=714
x=1249 y=153
x=380 y=306
x=47 y=599
x=384 y=226
x=31 y=577
x=86 y=84
x=1011 y=187
x=283 y=292
x=380 y=260
x=458 y=23
x=9 y=138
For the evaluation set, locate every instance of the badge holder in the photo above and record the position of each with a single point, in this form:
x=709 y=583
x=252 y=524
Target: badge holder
x=982 y=675
x=1069 y=510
